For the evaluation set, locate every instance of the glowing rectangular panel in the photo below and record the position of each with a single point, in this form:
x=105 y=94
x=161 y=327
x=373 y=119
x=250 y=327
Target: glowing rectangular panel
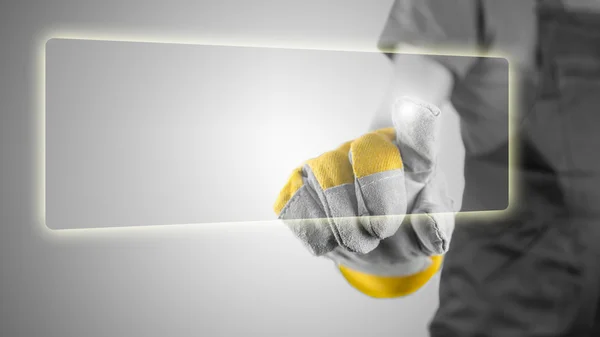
x=141 y=134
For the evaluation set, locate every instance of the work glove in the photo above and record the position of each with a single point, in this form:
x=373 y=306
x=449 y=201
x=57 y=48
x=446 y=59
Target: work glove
x=377 y=205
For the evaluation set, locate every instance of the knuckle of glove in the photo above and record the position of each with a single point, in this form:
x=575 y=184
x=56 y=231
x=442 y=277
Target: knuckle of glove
x=354 y=187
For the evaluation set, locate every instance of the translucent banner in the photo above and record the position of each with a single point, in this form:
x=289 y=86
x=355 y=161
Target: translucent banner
x=141 y=134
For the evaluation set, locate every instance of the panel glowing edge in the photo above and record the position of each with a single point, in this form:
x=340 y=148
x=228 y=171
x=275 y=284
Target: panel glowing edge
x=40 y=80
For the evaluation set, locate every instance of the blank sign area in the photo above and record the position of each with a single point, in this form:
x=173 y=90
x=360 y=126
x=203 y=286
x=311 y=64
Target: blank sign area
x=141 y=134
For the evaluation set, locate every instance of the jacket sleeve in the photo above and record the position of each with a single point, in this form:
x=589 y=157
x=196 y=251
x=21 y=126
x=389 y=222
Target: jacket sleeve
x=434 y=27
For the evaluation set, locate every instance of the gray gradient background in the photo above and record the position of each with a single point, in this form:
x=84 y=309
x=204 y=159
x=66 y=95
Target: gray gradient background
x=208 y=280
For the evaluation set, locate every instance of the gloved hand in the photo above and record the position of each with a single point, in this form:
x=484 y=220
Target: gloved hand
x=350 y=204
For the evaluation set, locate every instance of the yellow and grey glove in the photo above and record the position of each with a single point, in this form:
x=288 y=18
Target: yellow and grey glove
x=349 y=204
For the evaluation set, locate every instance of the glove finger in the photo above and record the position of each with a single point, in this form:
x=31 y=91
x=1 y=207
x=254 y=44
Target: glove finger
x=417 y=126
x=379 y=182
x=433 y=221
x=304 y=215
x=332 y=178
x=400 y=248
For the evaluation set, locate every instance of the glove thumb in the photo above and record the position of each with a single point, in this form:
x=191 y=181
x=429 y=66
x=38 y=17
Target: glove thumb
x=433 y=216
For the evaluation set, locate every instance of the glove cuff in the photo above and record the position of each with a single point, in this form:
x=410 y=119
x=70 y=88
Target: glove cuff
x=390 y=286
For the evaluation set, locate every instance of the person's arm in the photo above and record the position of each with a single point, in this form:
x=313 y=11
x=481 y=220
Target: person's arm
x=429 y=26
